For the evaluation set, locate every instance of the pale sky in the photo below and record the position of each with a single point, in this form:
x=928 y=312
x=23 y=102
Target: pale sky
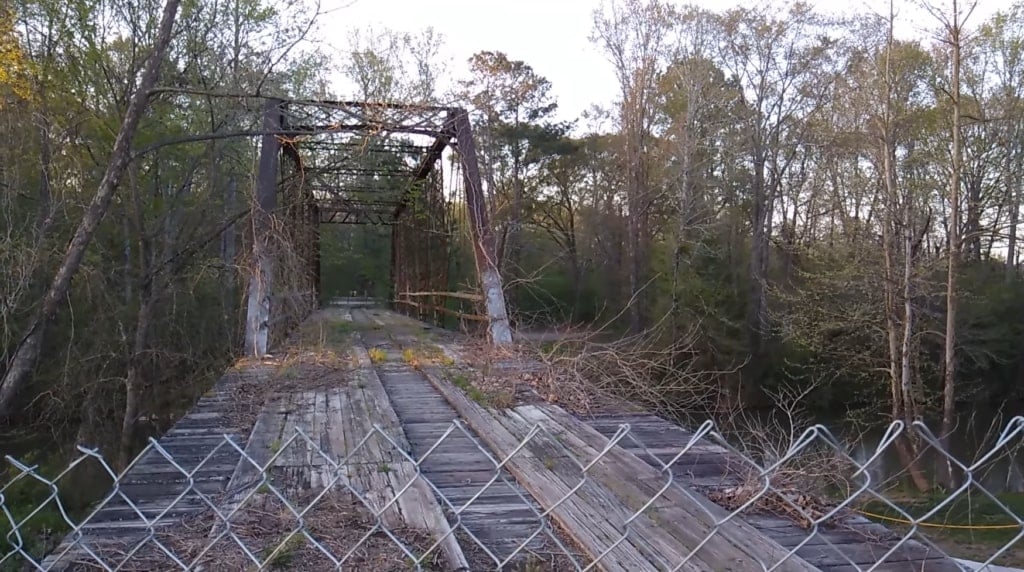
x=552 y=36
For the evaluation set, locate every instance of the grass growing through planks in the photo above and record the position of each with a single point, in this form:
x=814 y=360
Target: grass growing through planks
x=339 y=332
x=426 y=353
x=409 y=356
x=377 y=355
x=287 y=372
x=285 y=554
x=492 y=399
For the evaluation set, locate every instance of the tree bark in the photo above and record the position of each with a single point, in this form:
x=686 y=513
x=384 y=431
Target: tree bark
x=758 y=257
x=134 y=380
x=949 y=379
x=24 y=357
x=1011 y=176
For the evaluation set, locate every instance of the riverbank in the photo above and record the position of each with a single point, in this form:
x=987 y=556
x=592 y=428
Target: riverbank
x=973 y=526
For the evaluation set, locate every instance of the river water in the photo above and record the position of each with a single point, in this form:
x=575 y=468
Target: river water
x=975 y=443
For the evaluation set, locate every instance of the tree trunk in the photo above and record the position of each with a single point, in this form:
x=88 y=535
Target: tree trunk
x=1011 y=176
x=758 y=257
x=134 y=380
x=24 y=357
x=972 y=237
x=46 y=210
x=228 y=247
x=890 y=283
x=949 y=380
x=635 y=187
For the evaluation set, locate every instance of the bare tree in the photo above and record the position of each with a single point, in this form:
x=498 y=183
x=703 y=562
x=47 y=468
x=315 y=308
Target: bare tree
x=633 y=33
x=953 y=32
x=781 y=62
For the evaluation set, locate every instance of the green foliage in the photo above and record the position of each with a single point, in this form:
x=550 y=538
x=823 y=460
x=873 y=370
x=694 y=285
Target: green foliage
x=355 y=258
x=973 y=526
x=37 y=508
x=162 y=245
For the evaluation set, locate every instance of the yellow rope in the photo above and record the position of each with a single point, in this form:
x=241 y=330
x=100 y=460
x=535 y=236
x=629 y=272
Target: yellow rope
x=937 y=525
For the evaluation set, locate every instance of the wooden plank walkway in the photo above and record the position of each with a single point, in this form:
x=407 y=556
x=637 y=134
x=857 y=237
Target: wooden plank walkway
x=408 y=412
x=355 y=444
x=856 y=544
x=309 y=445
x=500 y=518
x=616 y=509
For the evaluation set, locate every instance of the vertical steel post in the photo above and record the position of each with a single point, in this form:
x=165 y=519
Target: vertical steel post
x=257 y=330
x=483 y=240
x=314 y=262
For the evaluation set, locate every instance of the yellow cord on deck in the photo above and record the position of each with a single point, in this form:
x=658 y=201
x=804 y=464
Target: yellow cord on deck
x=936 y=525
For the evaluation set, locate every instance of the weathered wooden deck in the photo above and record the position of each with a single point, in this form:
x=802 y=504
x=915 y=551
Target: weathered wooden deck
x=502 y=517
x=314 y=436
x=857 y=544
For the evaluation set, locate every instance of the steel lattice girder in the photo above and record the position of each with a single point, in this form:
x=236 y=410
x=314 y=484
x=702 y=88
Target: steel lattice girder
x=355 y=211
x=290 y=127
x=348 y=152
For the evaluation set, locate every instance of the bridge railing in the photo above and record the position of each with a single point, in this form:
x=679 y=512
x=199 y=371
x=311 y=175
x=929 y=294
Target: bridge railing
x=443 y=308
x=329 y=522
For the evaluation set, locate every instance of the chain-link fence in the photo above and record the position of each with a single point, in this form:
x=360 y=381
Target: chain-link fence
x=813 y=503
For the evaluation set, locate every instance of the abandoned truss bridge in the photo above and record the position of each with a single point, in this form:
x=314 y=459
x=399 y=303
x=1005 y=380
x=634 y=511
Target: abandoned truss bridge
x=325 y=162
x=372 y=440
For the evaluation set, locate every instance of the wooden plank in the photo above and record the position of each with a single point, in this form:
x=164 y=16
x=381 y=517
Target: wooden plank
x=334 y=425
x=692 y=515
x=631 y=470
x=318 y=431
x=417 y=503
x=590 y=531
x=601 y=504
x=320 y=460
x=367 y=465
x=265 y=432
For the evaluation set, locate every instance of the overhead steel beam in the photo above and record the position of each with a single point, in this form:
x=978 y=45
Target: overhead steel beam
x=424 y=169
x=355 y=217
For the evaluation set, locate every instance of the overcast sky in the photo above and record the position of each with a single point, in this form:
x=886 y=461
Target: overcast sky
x=552 y=36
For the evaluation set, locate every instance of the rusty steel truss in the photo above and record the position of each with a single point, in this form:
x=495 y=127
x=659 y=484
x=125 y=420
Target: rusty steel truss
x=364 y=163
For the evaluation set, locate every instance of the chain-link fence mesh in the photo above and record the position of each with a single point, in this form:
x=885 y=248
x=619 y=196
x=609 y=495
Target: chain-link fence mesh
x=217 y=504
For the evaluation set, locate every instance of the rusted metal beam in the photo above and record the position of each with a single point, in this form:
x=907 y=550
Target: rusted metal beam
x=353 y=217
x=258 y=315
x=314 y=223
x=426 y=166
x=499 y=328
x=368 y=127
